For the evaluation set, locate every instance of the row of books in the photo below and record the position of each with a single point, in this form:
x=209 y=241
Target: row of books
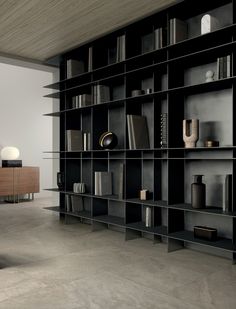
x=108 y=183
x=138 y=135
x=75 y=67
x=73 y=203
x=77 y=140
x=101 y=94
x=224 y=65
x=116 y=52
x=81 y=100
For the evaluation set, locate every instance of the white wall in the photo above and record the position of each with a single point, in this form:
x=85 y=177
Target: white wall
x=21 y=122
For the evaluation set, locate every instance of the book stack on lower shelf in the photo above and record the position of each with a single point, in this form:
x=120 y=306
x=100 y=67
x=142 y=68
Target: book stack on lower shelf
x=81 y=100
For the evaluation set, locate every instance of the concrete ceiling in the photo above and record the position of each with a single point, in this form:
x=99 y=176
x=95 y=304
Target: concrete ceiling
x=40 y=29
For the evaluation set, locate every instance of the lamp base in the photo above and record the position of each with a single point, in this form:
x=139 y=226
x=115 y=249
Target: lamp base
x=11 y=163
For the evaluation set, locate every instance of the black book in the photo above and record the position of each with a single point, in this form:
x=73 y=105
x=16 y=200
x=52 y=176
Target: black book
x=138 y=132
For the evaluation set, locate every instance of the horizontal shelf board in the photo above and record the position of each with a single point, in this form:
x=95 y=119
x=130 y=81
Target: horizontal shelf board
x=144 y=159
x=110 y=220
x=53 y=208
x=207 y=36
x=113 y=198
x=183 y=43
x=55 y=114
x=80 y=214
x=187 y=89
x=188 y=236
x=107 y=67
x=140 y=226
x=147 y=202
x=208 y=210
x=205 y=87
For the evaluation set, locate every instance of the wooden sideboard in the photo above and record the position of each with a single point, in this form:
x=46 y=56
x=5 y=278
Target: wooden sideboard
x=15 y=181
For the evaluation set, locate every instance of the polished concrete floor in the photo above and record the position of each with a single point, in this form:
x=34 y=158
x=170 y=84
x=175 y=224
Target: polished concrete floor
x=46 y=264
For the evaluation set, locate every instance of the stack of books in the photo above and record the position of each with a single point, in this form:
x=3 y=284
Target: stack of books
x=224 y=67
x=164 y=131
x=90 y=59
x=101 y=94
x=103 y=183
x=81 y=100
x=137 y=132
x=178 y=30
x=77 y=140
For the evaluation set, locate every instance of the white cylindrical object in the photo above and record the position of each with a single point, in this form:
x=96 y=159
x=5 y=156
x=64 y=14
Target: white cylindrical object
x=148 y=217
x=10 y=153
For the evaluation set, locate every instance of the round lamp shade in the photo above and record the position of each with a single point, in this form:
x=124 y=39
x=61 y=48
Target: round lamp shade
x=10 y=153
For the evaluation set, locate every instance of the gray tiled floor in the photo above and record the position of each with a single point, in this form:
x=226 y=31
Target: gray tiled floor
x=45 y=264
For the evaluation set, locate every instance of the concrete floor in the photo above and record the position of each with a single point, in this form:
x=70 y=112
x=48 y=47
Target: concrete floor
x=45 y=264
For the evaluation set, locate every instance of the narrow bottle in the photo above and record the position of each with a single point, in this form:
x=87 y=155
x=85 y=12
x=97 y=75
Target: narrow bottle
x=198 y=192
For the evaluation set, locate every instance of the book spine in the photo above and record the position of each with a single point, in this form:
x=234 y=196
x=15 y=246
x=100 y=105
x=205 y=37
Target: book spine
x=123 y=47
x=118 y=49
x=132 y=133
x=171 y=32
x=68 y=140
x=121 y=182
x=90 y=59
x=221 y=68
x=96 y=177
x=88 y=141
x=224 y=67
x=174 y=32
x=228 y=66
x=129 y=132
x=85 y=142
x=218 y=68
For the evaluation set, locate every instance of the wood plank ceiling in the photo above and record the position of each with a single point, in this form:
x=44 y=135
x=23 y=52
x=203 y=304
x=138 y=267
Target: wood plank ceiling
x=40 y=29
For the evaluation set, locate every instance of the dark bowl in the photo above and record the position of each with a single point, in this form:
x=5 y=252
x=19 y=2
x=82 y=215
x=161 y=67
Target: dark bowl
x=108 y=140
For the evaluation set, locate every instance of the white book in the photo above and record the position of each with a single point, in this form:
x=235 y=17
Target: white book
x=122 y=48
x=90 y=59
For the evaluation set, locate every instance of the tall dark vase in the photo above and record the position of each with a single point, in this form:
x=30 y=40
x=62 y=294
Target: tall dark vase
x=60 y=180
x=228 y=193
x=198 y=192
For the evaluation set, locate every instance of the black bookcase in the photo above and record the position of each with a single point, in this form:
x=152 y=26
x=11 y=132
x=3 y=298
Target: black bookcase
x=176 y=75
